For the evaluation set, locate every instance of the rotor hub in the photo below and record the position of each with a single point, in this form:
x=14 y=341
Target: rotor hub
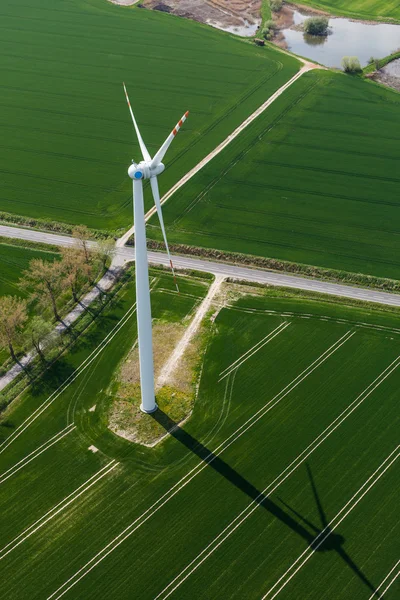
x=144 y=170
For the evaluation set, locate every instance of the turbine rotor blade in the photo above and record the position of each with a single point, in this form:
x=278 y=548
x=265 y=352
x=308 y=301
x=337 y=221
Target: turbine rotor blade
x=162 y=151
x=145 y=152
x=157 y=202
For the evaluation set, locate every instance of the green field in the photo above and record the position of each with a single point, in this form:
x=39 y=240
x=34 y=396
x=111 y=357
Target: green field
x=359 y=9
x=13 y=261
x=296 y=418
x=313 y=180
x=67 y=137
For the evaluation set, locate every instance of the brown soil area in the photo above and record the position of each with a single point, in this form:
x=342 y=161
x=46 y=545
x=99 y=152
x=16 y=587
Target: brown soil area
x=221 y=13
x=175 y=399
x=383 y=77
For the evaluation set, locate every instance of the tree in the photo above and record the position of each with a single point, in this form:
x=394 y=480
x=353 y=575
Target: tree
x=276 y=5
x=13 y=315
x=269 y=28
x=76 y=271
x=316 y=26
x=351 y=64
x=82 y=235
x=43 y=281
x=37 y=332
x=105 y=250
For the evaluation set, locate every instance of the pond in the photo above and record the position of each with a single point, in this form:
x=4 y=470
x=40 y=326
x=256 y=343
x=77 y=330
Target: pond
x=347 y=38
x=246 y=30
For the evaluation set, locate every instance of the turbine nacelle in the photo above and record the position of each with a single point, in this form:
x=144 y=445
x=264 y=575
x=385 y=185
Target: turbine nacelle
x=144 y=170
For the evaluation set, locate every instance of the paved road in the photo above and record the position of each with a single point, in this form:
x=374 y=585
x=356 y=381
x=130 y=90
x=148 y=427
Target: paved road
x=125 y=254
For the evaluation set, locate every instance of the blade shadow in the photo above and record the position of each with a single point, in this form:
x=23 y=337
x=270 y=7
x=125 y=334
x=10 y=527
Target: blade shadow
x=226 y=471
x=333 y=541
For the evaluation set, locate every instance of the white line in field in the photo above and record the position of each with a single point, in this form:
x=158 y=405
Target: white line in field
x=378 y=589
x=277 y=482
x=333 y=524
x=27 y=459
x=54 y=395
x=185 y=480
x=264 y=339
x=255 y=351
x=57 y=509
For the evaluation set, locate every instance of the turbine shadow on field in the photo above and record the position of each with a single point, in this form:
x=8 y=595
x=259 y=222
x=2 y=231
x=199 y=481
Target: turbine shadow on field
x=326 y=539
x=221 y=467
x=319 y=539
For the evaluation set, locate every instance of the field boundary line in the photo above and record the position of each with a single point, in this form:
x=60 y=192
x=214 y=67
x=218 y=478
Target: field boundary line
x=185 y=480
x=232 y=365
x=82 y=367
x=334 y=523
x=386 y=578
x=304 y=69
x=84 y=487
x=279 y=480
x=236 y=367
x=35 y=453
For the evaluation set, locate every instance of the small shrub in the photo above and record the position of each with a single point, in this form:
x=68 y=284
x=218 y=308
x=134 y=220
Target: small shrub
x=269 y=30
x=276 y=5
x=375 y=62
x=351 y=64
x=316 y=26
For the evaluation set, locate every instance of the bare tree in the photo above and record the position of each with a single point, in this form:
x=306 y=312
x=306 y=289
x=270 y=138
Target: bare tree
x=37 y=332
x=82 y=235
x=13 y=315
x=104 y=251
x=43 y=281
x=76 y=270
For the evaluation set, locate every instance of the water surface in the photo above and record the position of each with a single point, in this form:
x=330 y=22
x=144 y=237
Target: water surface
x=347 y=38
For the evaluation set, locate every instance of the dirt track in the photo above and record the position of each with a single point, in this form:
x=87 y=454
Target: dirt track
x=241 y=15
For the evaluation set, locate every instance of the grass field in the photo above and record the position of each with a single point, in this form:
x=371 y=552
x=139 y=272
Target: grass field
x=67 y=135
x=359 y=9
x=313 y=180
x=296 y=418
x=13 y=261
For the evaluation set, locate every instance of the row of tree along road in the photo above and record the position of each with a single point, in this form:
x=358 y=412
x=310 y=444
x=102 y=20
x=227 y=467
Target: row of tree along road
x=50 y=287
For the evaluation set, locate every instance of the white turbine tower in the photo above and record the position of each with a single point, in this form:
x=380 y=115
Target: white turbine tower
x=148 y=168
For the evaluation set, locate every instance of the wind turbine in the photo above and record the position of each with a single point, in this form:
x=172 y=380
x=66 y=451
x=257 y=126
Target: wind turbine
x=148 y=168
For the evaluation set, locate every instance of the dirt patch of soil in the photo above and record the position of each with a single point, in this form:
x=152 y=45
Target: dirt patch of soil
x=389 y=75
x=175 y=399
x=311 y=11
x=238 y=16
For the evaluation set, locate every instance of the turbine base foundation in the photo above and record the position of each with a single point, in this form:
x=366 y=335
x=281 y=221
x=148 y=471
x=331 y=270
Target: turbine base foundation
x=148 y=412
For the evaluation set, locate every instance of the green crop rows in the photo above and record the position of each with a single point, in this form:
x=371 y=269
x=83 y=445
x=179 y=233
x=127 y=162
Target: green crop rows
x=148 y=517
x=314 y=180
x=360 y=9
x=13 y=261
x=67 y=137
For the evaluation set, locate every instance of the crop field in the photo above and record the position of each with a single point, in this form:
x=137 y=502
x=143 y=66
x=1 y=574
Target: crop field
x=313 y=180
x=13 y=261
x=282 y=483
x=67 y=137
x=361 y=9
